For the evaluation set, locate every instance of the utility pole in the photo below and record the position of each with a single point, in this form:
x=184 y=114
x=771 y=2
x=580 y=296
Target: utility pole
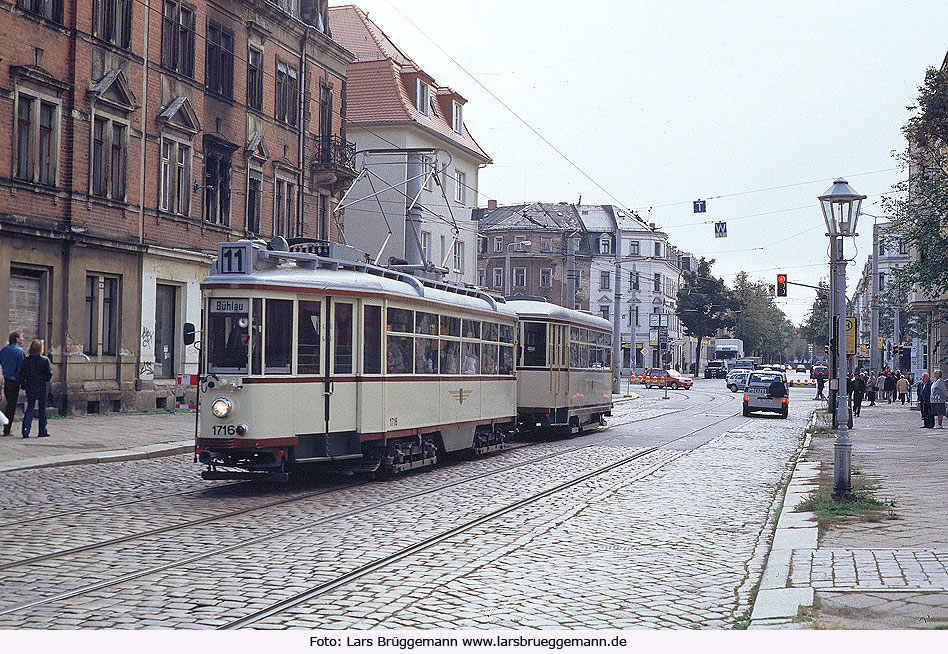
x=617 y=310
x=874 y=358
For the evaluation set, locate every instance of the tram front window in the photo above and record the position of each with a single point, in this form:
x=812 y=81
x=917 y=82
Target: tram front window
x=228 y=338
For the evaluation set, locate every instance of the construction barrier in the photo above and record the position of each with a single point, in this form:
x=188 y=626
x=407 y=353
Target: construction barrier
x=185 y=380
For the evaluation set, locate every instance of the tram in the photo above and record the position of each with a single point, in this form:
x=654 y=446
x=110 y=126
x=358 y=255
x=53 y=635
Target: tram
x=564 y=374
x=313 y=356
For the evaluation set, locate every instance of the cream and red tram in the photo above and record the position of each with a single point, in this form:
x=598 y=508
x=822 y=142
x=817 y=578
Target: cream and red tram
x=564 y=371
x=321 y=358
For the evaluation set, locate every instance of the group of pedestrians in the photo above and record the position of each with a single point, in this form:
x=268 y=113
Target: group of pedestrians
x=890 y=386
x=30 y=371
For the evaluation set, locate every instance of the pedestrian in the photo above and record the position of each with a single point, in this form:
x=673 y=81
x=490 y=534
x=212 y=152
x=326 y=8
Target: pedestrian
x=34 y=376
x=925 y=401
x=911 y=381
x=820 y=382
x=902 y=388
x=858 y=388
x=938 y=398
x=871 y=388
x=890 y=387
x=11 y=360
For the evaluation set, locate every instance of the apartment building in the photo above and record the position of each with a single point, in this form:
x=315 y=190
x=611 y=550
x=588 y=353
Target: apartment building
x=139 y=135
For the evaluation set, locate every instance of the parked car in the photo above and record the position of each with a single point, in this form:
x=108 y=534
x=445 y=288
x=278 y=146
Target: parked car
x=672 y=378
x=737 y=380
x=747 y=364
x=767 y=391
x=801 y=367
x=715 y=370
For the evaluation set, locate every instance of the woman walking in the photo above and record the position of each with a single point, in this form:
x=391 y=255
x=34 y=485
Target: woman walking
x=871 y=388
x=938 y=399
x=902 y=387
x=34 y=375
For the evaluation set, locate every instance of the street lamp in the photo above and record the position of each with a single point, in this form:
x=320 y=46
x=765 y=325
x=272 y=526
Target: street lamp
x=507 y=265
x=840 y=205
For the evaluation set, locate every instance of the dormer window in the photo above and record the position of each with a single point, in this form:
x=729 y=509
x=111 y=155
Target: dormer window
x=422 y=97
x=456 y=118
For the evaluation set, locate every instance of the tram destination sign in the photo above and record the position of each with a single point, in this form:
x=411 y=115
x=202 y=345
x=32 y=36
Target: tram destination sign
x=229 y=305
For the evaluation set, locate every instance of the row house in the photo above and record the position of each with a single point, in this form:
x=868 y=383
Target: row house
x=544 y=250
x=419 y=163
x=139 y=135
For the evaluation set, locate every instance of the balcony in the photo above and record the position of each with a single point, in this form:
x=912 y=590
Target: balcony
x=334 y=163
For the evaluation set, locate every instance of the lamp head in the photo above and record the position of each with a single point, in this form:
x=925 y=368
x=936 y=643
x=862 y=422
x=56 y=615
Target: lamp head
x=841 y=205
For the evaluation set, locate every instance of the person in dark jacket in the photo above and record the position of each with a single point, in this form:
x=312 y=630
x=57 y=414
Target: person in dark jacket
x=11 y=360
x=34 y=376
x=890 y=387
x=925 y=401
x=858 y=388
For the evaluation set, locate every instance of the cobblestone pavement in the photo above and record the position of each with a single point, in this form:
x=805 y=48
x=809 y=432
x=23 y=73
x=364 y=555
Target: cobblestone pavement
x=891 y=574
x=674 y=539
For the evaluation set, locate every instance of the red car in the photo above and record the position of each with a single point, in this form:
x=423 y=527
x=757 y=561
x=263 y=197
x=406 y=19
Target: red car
x=661 y=376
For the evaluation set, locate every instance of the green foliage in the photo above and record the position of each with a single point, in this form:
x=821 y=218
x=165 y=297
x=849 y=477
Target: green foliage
x=815 y=327
x=760 y=323
x=862 y=507
x=704 y=303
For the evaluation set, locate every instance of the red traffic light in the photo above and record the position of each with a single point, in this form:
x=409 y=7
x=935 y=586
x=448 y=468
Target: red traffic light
x=781 y=279
x=781 y=285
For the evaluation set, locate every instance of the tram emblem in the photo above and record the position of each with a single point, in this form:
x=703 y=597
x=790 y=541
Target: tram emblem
x=460 y=395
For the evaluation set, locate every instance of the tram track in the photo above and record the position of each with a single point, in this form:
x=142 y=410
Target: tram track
x=596 y=439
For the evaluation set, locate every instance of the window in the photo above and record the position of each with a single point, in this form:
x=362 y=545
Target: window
x=49 y=9
x=109 y=154
x=604 y=311
x=217 y=185
x=658 y=248
x=177 y=38
x=325 y=110
x=657 y=287
x=520 y=277
x=498 y=278
x=284 y=215
x=101 y=315
x=546 y=278
x=457 y=121
x=605 y=281
x=498 y=244
x=287 y=90
x=254 y=200
x=459 y=257
x=426 y=246
x=605 y=245
x=372 y=339
x=482 y=245
x=219 y=67
x=175 y=181
x=520 y=243
x=634 y=280
x=422 y=97
x=634 y=248
x=459 y=186
x=342 y=338
x=534 y=344
x=903 y=246
x=482 y=278
x=255 y=78
x=278 y=336
x=307 y=339
x=112 y=21
x=546 y=244
x=37 y=140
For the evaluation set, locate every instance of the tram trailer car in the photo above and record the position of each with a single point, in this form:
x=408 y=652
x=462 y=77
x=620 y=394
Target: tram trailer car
x=564 y=371
x=320 y=358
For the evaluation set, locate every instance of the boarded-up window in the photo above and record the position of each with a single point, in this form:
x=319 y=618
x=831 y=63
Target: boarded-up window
x=25 y=302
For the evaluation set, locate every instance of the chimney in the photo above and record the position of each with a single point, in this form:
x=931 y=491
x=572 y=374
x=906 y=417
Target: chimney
x=651 y=226
x=491 y=205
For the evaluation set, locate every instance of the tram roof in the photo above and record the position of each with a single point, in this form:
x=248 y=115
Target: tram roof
x=550 y=311
x=363 y=280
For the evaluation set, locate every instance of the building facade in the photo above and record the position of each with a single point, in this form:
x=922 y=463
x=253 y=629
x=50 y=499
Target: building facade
x=414 y=151
x=141 y=134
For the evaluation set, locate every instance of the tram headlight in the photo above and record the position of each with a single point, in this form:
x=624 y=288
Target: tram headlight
x=221 y=407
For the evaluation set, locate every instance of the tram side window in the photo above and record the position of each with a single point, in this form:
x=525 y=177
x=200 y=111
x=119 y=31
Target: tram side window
x=506 y=334
x=450 y=357
x=279 y=336
x=342 y=338
x=307 y=348
x=426 y=356
x=227 y=339
x=489 y=359
x=399 y=320
x=372 y=340
x=450 y=326
x=426 y=323
x=490 y=331
x=534 y=340
x=398 y=354
x=470 y=362
x=506 y=360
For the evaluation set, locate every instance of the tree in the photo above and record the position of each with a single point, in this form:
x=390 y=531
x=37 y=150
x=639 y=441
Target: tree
x=705 y=304
x=760 y=323
x=920 y=204
x=815 y=327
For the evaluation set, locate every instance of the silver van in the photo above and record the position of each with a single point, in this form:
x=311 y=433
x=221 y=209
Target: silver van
x=767 y=391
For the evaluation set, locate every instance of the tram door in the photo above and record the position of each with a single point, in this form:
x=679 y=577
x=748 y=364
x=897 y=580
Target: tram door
x=559 y=369
x=340 y=389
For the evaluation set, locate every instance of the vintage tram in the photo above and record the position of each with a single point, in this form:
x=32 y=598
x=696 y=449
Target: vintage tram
x=312 y=355
x=564 y=374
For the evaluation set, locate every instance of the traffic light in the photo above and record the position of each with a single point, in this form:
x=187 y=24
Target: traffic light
x=781 y=285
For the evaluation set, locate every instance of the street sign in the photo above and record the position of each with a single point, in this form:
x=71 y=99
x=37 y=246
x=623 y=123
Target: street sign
x=700 y=206
x=720 y=230
x=653 y=337
x=881 y=343
x=644 y=351
x=850 y=335
x=653 y=320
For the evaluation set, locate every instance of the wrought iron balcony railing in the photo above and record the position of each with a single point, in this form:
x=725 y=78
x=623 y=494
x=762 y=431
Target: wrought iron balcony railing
x=334 y=153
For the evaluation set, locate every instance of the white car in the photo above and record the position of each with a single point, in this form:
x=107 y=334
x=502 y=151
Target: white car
x=767 y=391
x=737 y=380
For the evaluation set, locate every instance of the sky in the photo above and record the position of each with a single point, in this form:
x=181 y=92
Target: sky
x=755 y=107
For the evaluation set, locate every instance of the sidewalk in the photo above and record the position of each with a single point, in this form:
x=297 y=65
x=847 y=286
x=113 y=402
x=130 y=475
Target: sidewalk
x=99 y=438
x=891 y=574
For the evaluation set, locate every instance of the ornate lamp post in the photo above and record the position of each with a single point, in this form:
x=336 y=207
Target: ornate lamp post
x=841 y=206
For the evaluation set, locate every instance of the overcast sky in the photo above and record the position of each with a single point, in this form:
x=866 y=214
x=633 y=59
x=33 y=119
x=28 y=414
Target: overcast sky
x=657 y=104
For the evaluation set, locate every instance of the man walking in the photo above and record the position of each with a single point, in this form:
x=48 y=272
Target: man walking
x=858 y=390
x=925 y=401
x=11 y=360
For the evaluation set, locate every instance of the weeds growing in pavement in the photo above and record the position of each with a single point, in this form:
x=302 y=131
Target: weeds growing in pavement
x=861 y=507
